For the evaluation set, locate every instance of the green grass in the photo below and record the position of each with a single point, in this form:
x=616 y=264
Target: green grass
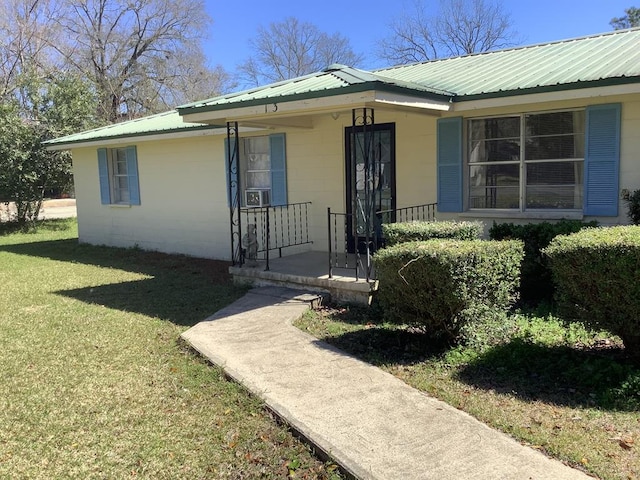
x=95 y=382
x=564 y=390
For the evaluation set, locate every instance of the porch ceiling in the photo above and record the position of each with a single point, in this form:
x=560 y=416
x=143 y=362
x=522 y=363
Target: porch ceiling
x=300 y=113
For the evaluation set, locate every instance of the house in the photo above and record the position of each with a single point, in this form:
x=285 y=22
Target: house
x=314 y=164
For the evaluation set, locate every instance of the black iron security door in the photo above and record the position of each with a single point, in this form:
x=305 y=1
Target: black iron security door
x=370 y=176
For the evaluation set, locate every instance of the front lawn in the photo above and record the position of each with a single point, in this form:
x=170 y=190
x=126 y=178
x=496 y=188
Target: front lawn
x=564 y=390
x=95 y=383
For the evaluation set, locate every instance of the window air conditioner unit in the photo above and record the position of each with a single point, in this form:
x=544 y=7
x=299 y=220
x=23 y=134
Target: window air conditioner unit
x=257 y=197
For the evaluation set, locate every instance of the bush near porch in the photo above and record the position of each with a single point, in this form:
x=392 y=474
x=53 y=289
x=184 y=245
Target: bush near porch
x=395 y=233
x=536 y=284
x=444 y=285
x=596 y=272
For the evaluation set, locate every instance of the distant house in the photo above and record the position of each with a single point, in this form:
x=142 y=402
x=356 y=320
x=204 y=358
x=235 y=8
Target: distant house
x=534 y=133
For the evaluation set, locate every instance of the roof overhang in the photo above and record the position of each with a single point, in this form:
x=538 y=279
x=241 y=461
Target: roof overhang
x=140 y=137
x=298 y=112
x=556 y=95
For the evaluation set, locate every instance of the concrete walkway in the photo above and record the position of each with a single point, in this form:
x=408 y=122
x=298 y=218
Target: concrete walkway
x=372 y=424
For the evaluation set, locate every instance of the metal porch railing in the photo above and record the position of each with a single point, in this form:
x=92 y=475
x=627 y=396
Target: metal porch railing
x=276 y=228
x=347 y=255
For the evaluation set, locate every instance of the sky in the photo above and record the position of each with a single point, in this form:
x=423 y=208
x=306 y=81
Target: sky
x=364 y=23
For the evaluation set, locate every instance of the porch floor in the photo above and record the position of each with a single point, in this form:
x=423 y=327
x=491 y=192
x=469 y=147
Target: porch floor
x=309 y=271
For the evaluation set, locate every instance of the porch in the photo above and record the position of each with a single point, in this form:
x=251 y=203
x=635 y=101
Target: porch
x=277 y=249
x=326 y=244
x=309 y=271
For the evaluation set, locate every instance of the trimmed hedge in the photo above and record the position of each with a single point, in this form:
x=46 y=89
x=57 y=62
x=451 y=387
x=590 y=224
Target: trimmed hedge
x=442 y=284
x=597 y=273
x=535 y=283
x=395 y=233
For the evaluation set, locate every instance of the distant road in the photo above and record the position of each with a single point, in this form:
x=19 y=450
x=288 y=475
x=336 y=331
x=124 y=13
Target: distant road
x=58 y=208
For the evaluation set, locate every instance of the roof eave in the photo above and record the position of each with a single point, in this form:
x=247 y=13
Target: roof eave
x=60 y=144
x=358 y=88
x=604 y=82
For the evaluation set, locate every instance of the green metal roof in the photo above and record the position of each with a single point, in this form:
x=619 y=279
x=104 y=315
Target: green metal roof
x=605 y=59
x=167 y=122
x=334 y=80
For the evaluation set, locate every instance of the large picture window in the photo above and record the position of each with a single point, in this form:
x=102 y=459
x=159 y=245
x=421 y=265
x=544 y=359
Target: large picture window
x=527 y=162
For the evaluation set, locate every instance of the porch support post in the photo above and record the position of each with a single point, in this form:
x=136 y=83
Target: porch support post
x=363 y=121
x=233 y=185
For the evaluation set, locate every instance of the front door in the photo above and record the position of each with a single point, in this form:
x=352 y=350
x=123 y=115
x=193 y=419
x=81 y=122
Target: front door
x=371 y=162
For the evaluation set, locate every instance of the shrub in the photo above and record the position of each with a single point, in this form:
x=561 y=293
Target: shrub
x=444 y=284
x=596 y=273
x=633 y=207
x=395 y=233
x=535 y=283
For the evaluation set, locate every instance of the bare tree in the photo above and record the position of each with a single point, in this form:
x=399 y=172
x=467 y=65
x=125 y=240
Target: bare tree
x=27 y=29
x=457 y=27
x=630 y=19
x=292 y=48
x=137 y=53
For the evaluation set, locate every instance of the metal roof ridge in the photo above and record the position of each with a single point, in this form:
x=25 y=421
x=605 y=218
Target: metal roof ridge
x=511 y=49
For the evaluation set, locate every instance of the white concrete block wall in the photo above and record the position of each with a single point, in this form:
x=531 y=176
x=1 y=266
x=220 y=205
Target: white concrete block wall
x=183 y=199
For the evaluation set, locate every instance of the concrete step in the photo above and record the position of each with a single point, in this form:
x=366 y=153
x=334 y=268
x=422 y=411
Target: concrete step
x=314 y=299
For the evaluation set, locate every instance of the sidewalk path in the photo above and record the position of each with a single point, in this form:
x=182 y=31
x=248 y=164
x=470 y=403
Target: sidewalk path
x=371 y=423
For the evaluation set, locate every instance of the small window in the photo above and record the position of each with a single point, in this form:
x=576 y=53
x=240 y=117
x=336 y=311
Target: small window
x=263 y=171
x=256 y=163
x=118 y=168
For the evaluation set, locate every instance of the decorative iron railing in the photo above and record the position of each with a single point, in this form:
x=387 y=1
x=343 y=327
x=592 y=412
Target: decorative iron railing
x=351 y=254
x=341 y=255
x=273 y=228
x=415 y=213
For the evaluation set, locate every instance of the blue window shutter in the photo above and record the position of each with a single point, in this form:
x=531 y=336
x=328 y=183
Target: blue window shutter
x=103 y=172
x=449 y=160
x=132 y=173
x=602 y=160
x=278 y=169
x=232 y=190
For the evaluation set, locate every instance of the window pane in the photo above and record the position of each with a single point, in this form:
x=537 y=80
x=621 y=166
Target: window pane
x=258 y=161
x=255 y=163
x=554 y=135
x=494 y=186
x=258 y=180
x=494 y=151
x=494 y=139
x=256 y=145
x=555 y=147
x=120 y=162
x=122 y=196
x=122 y=183
x=555 y=123
x=555 y=185
x=488 y=128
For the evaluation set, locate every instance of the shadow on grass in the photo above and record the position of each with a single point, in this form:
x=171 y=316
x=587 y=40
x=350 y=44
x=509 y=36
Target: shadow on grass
x=560 y=375
x=378 y=343
x=577 y=377
x=385 y=346
x=183 y=290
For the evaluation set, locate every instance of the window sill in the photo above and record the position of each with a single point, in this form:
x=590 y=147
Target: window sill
x=530 y=215
x=119 y=205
